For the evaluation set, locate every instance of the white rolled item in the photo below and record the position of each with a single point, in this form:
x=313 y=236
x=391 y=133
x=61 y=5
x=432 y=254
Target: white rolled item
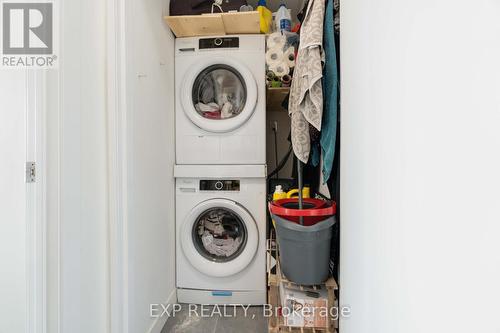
x=274 y=56
x=289 y=57
x=276 y=40
x=280 y=69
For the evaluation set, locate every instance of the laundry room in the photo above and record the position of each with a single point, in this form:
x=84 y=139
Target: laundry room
x=256 y=168
x=192 y=166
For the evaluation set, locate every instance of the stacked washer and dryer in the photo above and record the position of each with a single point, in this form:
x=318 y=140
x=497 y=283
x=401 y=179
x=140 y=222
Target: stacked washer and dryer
x=220 y=169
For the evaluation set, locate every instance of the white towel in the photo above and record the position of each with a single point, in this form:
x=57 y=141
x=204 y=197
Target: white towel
x=306 y=92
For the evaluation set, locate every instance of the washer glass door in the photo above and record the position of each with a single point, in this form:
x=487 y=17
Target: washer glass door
x=219 y=237
x=219 y=234
x=218 y=94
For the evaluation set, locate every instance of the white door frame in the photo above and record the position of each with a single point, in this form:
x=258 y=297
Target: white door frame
x=36 y=222
x=37 y=199
x=117 y=164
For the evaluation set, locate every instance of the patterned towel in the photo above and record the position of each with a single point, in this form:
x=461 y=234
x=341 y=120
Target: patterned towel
x=306 y=93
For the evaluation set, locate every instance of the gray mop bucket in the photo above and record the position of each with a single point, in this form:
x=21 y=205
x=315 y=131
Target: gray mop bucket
x=304 y=250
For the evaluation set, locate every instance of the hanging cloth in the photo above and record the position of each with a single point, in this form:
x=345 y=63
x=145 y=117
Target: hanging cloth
x=331 y=92
x=306 y=92
x=336 y=11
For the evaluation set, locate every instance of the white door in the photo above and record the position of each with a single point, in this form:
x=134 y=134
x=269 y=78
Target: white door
x=21 y=294
x=13 y=215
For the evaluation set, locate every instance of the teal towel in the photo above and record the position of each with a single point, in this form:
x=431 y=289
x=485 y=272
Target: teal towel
x=330 y=93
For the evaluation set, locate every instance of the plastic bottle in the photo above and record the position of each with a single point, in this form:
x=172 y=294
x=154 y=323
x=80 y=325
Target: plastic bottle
x=266 y=17
x=278 y=193
x=306 y=193
x=283 y=19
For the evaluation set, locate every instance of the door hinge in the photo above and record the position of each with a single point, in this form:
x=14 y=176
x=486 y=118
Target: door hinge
x=30 y=172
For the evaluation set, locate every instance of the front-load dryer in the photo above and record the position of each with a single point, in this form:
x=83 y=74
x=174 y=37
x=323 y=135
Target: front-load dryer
x=220 y=111
x=221 y=234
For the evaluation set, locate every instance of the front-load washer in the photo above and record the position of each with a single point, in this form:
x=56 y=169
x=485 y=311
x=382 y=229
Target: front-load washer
x=220 y=108
x=221 y=234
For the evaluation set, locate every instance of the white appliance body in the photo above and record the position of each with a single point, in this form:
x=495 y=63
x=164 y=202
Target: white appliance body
x=231 y=61
x=205 y=278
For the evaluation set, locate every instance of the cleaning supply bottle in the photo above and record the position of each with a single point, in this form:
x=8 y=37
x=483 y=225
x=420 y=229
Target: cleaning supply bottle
x=306 y=193
x=278 y=193
x=283 y=19
x=266 y=17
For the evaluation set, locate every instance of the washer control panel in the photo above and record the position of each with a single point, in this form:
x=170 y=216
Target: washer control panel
x=219 y=42
x=219 y=185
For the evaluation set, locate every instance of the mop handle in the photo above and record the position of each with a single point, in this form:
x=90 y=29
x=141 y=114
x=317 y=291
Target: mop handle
x=301 y=186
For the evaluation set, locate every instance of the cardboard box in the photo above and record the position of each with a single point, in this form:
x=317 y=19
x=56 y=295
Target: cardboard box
x=304 y=307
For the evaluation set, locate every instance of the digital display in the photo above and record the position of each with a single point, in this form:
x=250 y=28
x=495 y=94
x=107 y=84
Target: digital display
x=219 y=43
x=219 y=185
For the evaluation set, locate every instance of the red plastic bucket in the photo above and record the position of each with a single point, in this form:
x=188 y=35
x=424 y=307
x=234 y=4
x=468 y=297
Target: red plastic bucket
x=313 y=211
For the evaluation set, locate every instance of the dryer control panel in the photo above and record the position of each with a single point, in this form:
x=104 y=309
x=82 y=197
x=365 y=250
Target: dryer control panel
x=219 y=185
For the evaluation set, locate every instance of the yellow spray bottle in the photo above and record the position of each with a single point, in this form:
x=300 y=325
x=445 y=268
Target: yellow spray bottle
x=266 y=17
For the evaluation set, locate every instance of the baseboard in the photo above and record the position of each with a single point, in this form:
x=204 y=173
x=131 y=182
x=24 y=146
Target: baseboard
x=160 y=322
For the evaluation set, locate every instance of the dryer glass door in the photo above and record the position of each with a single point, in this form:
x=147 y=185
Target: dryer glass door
x=219 y=94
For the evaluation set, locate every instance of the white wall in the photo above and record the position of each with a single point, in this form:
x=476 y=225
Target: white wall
x=82 y=213
x=420 y=166
x=78 y=283
x=150 y=160
x=13 y=209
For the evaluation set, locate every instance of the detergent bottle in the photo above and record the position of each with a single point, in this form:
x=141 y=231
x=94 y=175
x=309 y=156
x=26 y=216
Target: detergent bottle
x=306 y=193
x=266 y=17
x=279 y=193
x=283 y=19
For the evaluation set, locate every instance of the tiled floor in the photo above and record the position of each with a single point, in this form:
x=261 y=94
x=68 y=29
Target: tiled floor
x=224 y=320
